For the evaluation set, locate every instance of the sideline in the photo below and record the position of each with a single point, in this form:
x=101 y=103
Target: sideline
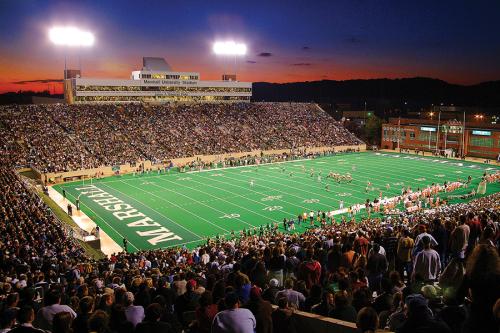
x=108 y=245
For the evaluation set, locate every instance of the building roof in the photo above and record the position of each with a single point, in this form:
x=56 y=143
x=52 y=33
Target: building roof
x=155 y=64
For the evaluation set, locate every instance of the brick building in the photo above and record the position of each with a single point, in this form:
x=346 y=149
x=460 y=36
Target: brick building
x=480 y=140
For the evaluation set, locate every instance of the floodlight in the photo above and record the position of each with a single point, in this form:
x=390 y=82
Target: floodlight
x=71 y=36
x=229 y=48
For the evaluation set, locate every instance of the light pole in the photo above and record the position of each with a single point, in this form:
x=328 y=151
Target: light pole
x=70 y=37
x=230 y=48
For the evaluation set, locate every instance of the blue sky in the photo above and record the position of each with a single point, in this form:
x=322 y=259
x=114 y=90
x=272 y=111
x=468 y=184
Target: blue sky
x=457 y=41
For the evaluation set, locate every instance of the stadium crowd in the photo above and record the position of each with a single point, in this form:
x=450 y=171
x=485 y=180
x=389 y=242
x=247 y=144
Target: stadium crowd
x=55 y=138
x=433 y=271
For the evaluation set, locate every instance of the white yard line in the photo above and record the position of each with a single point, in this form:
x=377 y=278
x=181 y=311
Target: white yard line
x=186 y=210
x=141 y=203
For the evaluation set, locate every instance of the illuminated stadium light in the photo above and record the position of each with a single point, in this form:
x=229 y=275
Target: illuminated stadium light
x=229 y=48
x=71 y=36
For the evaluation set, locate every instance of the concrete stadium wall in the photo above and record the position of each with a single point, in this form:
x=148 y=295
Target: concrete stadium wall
x=58 y=177
x=313 y=323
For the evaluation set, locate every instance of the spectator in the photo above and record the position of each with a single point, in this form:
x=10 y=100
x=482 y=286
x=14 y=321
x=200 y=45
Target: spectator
x=262 y=311
x=325 y=307
x=343 y=310
x=483 y=276
x=405 y=245
x=99 y=322
x=25 y=318
x=310 y=269
x=459 y=239
x=152 y=321
x=205 y=313
x=62 y=323
x=46 y=314
x=234 y=319
x=367 y=320
x=294 y=298
x=133 y=313
x=282 y=317
x=377 y=265
x=271 y=292
x=427 y=263
x=420 y=317
x=8 y=320
x=86 y=309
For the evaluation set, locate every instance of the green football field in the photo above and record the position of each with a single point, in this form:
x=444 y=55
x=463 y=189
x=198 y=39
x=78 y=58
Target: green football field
x=157 y=211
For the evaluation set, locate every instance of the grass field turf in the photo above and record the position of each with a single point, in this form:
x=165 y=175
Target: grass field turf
x=188 y=207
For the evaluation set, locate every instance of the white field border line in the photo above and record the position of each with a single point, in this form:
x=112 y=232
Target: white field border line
x=363 y=154
x=53 y=195
x=255 y=165
x=267 y=188
x=251 y=190
x=105 y=222
x=428 y=166
x=452 y=162
x=204 y=170
x=220 y=211
x=147 y=206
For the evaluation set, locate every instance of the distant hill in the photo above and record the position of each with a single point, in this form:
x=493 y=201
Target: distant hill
x=382 y=93
x=24 y=97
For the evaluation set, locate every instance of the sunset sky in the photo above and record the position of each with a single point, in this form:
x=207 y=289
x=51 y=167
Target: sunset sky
x=288 y=41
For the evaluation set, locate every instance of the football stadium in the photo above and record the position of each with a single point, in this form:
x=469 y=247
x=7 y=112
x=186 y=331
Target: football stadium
x=172 y=208
x=307 y=180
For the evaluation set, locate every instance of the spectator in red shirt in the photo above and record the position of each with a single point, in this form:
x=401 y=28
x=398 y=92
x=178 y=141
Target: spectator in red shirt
x=361 y=244
x=310 y=270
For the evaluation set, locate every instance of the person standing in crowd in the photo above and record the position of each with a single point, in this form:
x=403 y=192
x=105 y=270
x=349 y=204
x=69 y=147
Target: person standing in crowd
x=376 y=266
x=420 y=318
x=125 y=244
x=294 y=298
x=25 y=318
x=134 y=313
x=262 y=311
x=427 y=264
x=405 y=245
x=46 y=314
x=440 y=234
x=152 y=321
x=235 y=319
x=310 y=269
x=459 y=239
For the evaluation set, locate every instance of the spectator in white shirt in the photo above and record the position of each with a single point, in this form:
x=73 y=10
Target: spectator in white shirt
x=46 y=314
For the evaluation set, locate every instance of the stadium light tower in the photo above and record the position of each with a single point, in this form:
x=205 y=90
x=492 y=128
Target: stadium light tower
x=230 y=48
x=70 y=37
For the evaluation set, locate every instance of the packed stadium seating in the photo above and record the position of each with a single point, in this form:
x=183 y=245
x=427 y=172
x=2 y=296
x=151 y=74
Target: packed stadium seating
x=377 y=272
x=56 y=138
